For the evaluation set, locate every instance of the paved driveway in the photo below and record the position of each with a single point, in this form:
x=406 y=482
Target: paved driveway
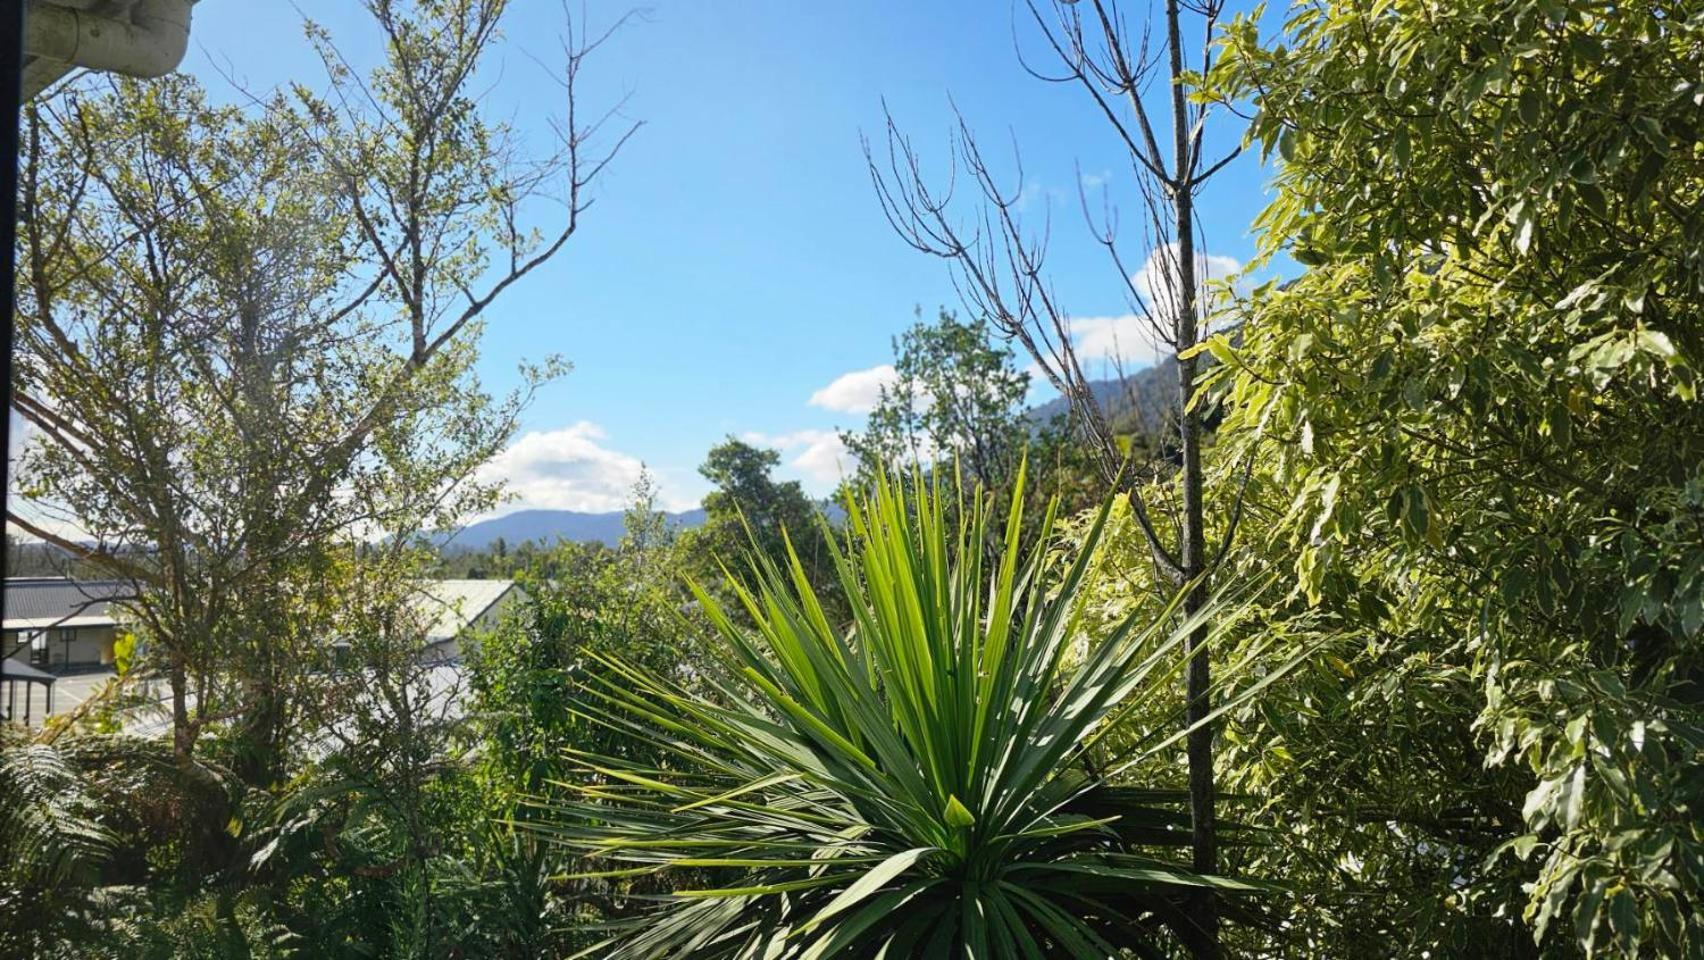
x=71 y=690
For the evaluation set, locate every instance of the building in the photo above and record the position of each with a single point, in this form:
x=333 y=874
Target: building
x=55 y=626
x=59 y=624
x=456 y=611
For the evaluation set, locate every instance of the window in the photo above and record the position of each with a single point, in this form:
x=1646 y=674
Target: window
x=38 y=648
x=66 y=635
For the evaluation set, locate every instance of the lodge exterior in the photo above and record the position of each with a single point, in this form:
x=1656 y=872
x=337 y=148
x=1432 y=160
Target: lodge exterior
x=61 y=625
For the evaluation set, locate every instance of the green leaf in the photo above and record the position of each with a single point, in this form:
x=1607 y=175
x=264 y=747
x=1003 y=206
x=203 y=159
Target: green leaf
x=1531 y=105
x=957 y=816
x=1624 y=920
x=1573 y=797
x=1416 y=518
x=869 y=883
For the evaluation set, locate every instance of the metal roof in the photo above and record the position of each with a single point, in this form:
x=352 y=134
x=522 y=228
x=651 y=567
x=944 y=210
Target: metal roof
x=11 y=668
x=452 y=605
x=37 y=603
x=447 y=607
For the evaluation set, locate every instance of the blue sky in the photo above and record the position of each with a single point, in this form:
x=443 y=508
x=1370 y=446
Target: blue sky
x=736 y=262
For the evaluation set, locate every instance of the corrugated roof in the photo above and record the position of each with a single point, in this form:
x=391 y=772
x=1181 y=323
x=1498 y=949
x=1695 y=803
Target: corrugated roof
x=12 y=668
x=34 y=603
x=37 y=603
x=451 y=605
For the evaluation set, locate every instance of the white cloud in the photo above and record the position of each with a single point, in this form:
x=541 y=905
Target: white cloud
x=820 y=456
x=1155 y=284
x=568 y=469
x=856 y=392
x=1027 y=195
x=1129 y=338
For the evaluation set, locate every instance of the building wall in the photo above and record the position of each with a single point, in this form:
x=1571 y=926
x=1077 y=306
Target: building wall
x=89 y=647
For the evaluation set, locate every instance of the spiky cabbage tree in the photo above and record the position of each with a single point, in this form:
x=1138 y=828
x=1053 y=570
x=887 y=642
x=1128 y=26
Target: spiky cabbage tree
x=915 y=783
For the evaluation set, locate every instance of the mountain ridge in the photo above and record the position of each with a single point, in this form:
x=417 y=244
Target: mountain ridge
x=548 y=526
x=1135 y=401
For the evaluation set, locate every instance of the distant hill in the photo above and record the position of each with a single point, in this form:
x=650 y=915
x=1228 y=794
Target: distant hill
x=30 y=558
x=548 y=526
x=1142 y=399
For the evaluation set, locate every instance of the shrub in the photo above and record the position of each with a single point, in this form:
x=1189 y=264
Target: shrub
x=915 y=784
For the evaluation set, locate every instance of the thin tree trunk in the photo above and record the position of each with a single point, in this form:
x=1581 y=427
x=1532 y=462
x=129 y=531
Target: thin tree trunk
x=182 y=741
x=1192 y=556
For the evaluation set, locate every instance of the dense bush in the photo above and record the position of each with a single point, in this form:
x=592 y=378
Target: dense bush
x=1476 y=444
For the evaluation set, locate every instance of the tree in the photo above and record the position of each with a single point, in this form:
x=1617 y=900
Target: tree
x=958 y=403
x=246 y=340
x=1000 y=267
x=580 y=602
x=956 y=399
x=750 y=511
x=374 y=829
x=1476 y=423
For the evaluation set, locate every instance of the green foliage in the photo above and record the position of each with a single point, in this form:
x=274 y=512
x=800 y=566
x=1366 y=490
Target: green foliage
x=48 y=819
x=86 y=822
x=1476 y=443
x=958 y=401
x=593 y=601
x=581 y=601
x=749 y=508
x=956 y=396
x=246 y=347
x=237 y=368
x=911 y=785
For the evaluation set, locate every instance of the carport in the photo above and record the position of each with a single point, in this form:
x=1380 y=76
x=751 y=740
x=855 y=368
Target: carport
x=13 y=672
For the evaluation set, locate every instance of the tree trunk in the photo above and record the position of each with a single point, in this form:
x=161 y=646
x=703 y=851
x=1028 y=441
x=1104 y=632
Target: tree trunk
x=1192 y=557
x=183 y=740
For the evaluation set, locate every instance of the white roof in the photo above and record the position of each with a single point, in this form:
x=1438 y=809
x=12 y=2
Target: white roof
x=48 y=623
x=446 y=607
x=451 y=606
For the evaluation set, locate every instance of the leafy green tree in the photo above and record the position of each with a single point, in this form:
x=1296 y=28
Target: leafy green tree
x=581 y=601
x=246 y=340
x=957 y=397
x=238 y=367
x=958 y=403
x=593 y=601
x=751 y=509
x=1477 y=445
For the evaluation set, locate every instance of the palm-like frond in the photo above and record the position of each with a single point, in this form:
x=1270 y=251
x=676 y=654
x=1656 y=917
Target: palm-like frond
x=49 y=831
x=66 y=802
x=912 y=785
